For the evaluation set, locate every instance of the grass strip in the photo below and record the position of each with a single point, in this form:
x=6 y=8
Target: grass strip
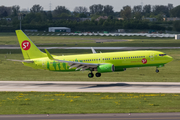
x=94 y=41
x=81 y=103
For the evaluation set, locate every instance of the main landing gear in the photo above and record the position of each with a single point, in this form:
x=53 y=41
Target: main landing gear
x=91 y=75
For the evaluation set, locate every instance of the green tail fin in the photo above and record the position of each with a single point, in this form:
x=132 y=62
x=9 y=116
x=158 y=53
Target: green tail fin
x=28 y=48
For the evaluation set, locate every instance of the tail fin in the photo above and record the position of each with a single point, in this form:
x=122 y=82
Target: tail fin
x=28 y=48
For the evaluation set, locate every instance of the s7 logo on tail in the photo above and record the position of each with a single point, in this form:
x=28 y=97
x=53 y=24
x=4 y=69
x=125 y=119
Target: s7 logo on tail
x=26 y=45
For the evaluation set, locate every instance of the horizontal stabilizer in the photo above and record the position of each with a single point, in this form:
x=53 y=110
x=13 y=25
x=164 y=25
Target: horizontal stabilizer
x=26 y=61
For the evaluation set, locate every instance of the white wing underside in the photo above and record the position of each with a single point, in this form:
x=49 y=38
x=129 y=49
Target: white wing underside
x=78 y=65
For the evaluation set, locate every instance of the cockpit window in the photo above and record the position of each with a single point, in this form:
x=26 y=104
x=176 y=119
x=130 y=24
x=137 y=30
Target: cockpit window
x=162 y=54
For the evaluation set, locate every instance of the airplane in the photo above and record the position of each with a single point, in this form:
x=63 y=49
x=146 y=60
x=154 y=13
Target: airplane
x=100 y=62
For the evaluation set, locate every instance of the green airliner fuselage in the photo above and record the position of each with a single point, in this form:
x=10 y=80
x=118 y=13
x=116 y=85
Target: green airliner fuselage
x=121 y=60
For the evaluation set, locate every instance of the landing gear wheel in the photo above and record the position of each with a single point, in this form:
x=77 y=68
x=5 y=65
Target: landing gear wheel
x=157 y=71
x=90 y=75
x=98 y=74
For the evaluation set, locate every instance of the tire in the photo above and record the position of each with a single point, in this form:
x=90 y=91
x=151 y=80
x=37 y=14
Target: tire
x=157 y=71
x=98 y=74
x=90 y=75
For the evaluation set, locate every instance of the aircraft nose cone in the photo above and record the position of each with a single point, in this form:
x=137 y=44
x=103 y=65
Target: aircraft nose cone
x=169 y=58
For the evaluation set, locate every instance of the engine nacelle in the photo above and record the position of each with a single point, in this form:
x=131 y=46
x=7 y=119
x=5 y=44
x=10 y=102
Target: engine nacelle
x=105 y=68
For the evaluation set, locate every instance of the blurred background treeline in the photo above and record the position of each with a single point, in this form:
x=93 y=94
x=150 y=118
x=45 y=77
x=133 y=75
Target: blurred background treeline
x=95 y=18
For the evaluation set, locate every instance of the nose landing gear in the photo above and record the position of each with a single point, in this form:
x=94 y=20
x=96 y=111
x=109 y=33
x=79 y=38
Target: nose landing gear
x=157 y=71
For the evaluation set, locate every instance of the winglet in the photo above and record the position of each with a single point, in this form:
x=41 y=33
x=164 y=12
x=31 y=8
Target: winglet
x=49 y=55
x=93 y=51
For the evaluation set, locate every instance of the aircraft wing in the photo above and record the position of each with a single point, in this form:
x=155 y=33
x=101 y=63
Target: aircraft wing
x=78 y=65
x=26 y=61
x=93 y=51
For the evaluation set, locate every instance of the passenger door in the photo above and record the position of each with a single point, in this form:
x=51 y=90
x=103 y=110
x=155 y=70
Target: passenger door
x=152 y=56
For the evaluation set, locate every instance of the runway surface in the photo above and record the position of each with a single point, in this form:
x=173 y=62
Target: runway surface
x=111 y=87
x=133 y=116
x=98 y=48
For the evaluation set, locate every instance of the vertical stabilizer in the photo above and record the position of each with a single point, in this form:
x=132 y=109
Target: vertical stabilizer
x=28 y=48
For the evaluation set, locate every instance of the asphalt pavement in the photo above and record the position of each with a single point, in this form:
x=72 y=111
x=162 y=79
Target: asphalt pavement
x=125 y=116
x=111 y=87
